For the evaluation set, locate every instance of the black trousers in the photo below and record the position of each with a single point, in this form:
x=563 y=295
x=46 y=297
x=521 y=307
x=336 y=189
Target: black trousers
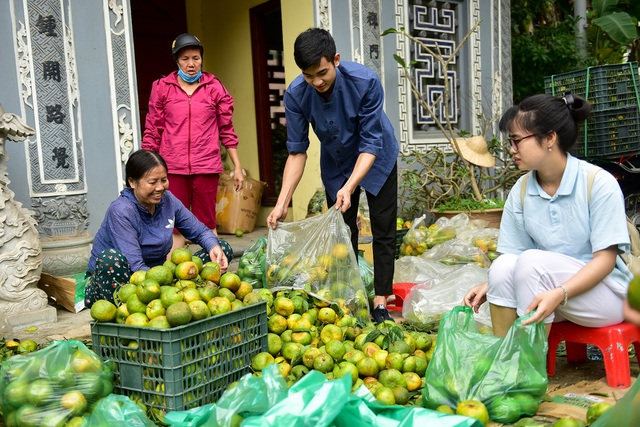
x=383 y=210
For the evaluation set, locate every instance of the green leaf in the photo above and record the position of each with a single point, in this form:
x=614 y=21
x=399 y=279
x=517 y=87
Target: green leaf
x=389 y=31
x=619 y=26
x=385 y=343
x=400 y=60
x=396 y=334
x=603 y=7
x=371 y=336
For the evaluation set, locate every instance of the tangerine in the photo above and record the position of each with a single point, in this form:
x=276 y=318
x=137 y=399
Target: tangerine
x=148 y=290
x=186 y=270
x=161 y=274
x=101 y=311
x=385 y=396
x=137 y=277
x=211 y=271
x=230 y=281
x=74 y=401
x=180 y=255
x=340 y=251
x=178 y=314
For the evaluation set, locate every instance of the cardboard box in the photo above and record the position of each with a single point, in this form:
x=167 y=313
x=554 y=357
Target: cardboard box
x=237 y=209
x=67 y=292
x=574 y=401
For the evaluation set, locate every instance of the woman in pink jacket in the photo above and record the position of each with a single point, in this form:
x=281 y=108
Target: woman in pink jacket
x=190 y=115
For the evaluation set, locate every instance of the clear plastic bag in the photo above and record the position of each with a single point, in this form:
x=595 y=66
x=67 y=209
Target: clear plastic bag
x=485 y=239
x=508 y=375
x=428 y=301
x=462 y=222
x=316 y=255
x=251 y=263
x=54 y=385
x=457 y=252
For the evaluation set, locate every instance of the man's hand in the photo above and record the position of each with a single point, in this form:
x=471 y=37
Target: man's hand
x=279 y=213
x=343 y=199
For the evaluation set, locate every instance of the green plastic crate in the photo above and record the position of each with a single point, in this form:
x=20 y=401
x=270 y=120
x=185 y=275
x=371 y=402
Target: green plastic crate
x=399 y=236
x=183 y=367
x=613 y=92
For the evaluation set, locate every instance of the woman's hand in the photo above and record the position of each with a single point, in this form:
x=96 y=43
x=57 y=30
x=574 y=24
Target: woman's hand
x=238 y=178
x=544 y=304
x=476 y=296
x=217 y=255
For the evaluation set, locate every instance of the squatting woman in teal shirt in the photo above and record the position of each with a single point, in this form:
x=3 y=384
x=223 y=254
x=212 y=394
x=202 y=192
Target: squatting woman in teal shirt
x=560 y=247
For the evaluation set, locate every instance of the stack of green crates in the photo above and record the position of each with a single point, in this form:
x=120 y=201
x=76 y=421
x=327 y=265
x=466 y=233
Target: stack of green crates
x=613 y=92
x=183 y=367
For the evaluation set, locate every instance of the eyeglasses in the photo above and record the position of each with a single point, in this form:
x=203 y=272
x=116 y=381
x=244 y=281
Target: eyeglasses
x=513 y=143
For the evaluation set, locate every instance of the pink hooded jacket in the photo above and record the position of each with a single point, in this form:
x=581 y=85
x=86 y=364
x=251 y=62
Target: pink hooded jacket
x=187 y=130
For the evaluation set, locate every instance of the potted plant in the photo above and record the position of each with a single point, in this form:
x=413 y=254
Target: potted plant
x=469 y=179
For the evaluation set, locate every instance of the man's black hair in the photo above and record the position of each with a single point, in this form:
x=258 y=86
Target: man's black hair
x=313 y=45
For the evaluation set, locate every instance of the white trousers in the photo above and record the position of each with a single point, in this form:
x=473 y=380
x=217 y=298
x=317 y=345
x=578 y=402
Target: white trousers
x=515 y=280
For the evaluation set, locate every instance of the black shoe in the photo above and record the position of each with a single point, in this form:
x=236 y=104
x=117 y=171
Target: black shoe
x=380 y=314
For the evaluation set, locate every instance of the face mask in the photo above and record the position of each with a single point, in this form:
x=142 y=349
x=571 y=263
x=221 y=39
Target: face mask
x=188 y=78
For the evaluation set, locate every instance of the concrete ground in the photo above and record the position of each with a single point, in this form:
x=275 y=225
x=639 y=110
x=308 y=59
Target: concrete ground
x=77 y=326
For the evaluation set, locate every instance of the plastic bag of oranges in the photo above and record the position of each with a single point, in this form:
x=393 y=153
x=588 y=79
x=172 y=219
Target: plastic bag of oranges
x=316 y=255
x=57 y=385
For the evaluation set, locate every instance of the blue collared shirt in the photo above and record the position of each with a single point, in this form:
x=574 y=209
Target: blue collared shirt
x=568 y=222
x=350 y=122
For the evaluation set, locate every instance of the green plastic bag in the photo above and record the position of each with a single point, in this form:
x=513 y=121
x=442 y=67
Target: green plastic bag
x=626 y=411
x=251 y=263
x=252 y=395
x=118 y=411
x=312 y=401
x=53 y=385
x=366 y=274
x=507 y=374
x=316 y=401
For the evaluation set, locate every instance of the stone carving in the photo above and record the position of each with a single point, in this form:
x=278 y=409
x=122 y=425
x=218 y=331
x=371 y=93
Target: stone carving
x=20 y=249
x=61 y=215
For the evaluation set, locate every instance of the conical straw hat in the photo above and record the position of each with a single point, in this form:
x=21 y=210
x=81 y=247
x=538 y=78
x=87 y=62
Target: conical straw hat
x=475 y=150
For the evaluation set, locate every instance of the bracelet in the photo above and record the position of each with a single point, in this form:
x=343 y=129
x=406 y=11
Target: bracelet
x=566 y=296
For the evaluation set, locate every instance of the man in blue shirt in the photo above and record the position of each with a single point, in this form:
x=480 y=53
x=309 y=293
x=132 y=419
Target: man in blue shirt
x=343 y=102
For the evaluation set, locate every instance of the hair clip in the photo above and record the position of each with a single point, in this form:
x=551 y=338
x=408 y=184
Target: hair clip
x=568 y=99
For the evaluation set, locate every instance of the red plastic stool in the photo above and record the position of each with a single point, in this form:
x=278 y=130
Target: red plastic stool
x=400 y=291
x=613 y=342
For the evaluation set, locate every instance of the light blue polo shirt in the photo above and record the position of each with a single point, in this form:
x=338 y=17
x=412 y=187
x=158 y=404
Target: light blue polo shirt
x=350 y=122
x=567 y=222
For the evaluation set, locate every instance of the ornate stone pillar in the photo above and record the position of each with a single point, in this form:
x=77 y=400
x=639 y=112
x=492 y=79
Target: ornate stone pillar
x=55 y=159
x=20 y=250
